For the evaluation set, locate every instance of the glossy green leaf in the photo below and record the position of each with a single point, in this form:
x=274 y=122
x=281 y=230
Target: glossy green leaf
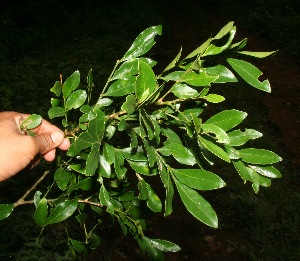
x=250 y=74
x=239 y=45
x=62 y=178
x=137 y=154
x=219 y=133
x=243 y=170
x=174 y=62
x=105 y=169
x=200 y=50
x=71 y=84
x=179 y=152
x=213 y=148
x=257 y=54
x=85 y=184
x=197 y=205
x=150 y=151
x=227 y=119
x=238 y=138
x=165 y=245
x=92 y=161
x=225 y=30
x=153 y=201
x=146 y=82
x=154 y=252
x=76 y=99
x=259 y=156
x=171 y=135
x=122 y=87
x=173 y=76
x=225 y=75
x=214 y=98
x=55 y=102
x=41 y=213
x=95 y=242
x=5 y=210
x=103 y=102
x=198 y=79
x=56 y=112
x=31 y=122
x=105 y=199
x=142 y=167
x=267 y=171
x=119 y=166
x=126 y=70
x=62 y=211
x=77 y=245
x=56 y=89
x=199 y=179
x=143 y=43
x=183 y=91
x=130 y=104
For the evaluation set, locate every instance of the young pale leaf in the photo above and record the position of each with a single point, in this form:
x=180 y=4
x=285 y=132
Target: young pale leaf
x=183 y=91
x=197 y=205
x=257 y=54
x=173 y=63
x=31 y=122
x=130 y=104
x=227 y=119
x=143 y=43
x=71 y=84
x=62 y=211
x=5 y=210
x=62 y=178
x=146 y=82
x=56 y=112
x=225 y=75
x=41 y=213
x=250 y=74
x=221 y=135
x=213 y=148
x=259 y=156
x=122 y=87
x=199 y=179
x=267 y=171
x=76 y=99
x=214 y=98
x=179 y=152
x=198 y=79
x=164 y=245
x=238 y=138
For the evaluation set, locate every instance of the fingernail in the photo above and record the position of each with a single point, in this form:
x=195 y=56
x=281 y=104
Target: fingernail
x=57 y=136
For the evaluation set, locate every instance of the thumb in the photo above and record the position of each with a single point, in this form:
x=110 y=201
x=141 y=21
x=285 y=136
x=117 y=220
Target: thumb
x=48 y=141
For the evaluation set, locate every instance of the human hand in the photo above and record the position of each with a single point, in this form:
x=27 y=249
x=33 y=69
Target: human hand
x=18 y=150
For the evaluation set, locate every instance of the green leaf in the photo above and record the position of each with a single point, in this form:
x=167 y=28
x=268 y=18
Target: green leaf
x=119 y=166
x=239 y=45
x=250 y=74
x=221 y=135
x=62 y=178
x=76 y=99
x=257 y=54
x=214 y=49
x=31 y=122
x=200 y=50
x=153 y=201
x=227 y=119
x=126 y=70
x=105 y=199
x=56 y=89
x=105 y=169
x=225 y=75
x=238 y=138
x=71 y=84
x=136 y=154
x=146 y=82
x=150 y=151
x=143 y=43
x=197 y=205
x=164 y=245
x=130 y=104
x=174 y=62
x=243 y=170
x=56 y=112
x=62 y=211
x=78 y=245
x=198 y=79
x=5 y=210
x=214 y=98
x=179 y=152
x=213 y=148
x=183 y=91
x=199 y=179
x=154 y=252
x=259 y=156
x=122 y=87
x=92 y=160
x=41 y=213
x=267 y=171
x=171 y=135
x=85 y=184
x=142 y=167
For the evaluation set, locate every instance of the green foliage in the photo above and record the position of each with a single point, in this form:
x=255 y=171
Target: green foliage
x=145 y=125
